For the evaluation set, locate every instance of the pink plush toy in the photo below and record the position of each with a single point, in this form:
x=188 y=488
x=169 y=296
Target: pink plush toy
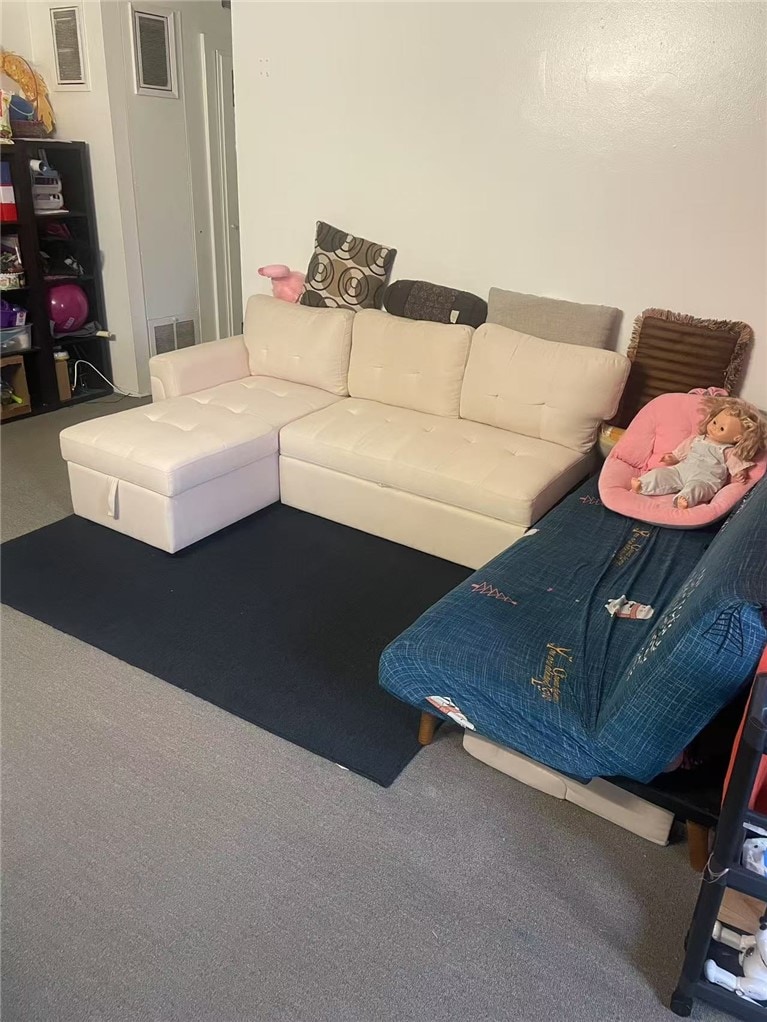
x=287 y=284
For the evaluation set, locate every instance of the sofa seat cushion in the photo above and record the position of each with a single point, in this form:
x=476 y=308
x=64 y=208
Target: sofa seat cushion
x=173 y=445
x=275 y=402
x=465 y=464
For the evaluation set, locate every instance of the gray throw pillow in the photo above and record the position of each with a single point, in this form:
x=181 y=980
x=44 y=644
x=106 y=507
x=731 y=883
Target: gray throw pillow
x=553 y=319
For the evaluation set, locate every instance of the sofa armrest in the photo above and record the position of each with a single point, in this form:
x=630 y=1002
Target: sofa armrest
x=197 y=368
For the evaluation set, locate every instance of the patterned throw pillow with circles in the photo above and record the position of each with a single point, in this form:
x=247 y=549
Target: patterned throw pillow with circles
x=346 y=272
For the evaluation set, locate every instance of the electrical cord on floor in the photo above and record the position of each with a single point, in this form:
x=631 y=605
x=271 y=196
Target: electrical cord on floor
x=82 y=361
x=112 y=400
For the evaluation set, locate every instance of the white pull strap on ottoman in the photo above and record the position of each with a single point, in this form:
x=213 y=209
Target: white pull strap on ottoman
x=173 y=472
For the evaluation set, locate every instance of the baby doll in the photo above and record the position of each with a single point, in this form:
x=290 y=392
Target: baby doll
x=730 y=436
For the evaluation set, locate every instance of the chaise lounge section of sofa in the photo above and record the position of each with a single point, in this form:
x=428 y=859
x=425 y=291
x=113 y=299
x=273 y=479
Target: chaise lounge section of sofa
x=205 y=453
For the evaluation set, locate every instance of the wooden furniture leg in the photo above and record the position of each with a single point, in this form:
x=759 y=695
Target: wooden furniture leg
x=697 y=845
x=427 y=727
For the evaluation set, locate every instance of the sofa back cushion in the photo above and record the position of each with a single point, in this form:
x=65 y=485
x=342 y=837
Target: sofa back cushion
x=557 y=392
x=412 y=364
x=552 y=318
x=299 y=344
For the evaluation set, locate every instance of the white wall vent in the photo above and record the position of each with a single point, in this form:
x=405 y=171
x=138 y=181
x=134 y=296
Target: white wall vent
x=69 y=47
x=154 y=53
x=171 y=334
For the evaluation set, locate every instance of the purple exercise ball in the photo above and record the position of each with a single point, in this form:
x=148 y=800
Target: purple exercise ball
x=67 y=307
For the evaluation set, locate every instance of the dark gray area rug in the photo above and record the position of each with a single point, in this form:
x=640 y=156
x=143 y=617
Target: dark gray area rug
x=279 y=619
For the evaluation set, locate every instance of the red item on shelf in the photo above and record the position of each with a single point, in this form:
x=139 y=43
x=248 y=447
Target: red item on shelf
x=758 y=799
x=8 y=209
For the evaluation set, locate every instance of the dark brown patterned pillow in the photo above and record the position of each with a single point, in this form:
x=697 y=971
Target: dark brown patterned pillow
x=346 y=272
x=674 y=353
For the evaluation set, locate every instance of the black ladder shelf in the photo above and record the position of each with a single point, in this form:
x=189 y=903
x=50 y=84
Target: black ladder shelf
x=724 y=870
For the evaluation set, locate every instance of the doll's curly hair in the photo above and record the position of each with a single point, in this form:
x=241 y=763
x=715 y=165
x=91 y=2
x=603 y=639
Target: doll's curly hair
x=754 y=426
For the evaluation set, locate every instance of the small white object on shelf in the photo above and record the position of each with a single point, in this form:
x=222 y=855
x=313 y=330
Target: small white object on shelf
x=755 y=855
x=46 y=187
x=752 y=985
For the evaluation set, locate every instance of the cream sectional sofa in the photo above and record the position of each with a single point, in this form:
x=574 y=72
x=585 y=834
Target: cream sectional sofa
x=446 y=439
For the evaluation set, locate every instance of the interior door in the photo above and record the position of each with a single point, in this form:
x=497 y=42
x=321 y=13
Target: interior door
x=209 y=99
x=218 y=79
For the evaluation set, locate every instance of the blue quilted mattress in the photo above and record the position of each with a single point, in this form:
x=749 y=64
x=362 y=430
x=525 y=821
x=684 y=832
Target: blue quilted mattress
x=596 y=644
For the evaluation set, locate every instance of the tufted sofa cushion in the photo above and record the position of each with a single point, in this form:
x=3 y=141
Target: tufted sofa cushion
x=298 y=344
x=416 y=364
x=545 y=389
x=173 y=445
x=457 y=462
x=274 y=402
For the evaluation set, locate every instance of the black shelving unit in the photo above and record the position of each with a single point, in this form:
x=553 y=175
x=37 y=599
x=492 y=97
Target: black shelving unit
x=724 y=870
x=71 y=161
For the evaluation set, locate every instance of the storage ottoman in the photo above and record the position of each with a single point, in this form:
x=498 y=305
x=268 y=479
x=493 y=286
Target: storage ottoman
x=171 y=473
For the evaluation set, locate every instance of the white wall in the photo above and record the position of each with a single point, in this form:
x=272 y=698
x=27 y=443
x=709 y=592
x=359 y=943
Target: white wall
x=607 y=153
x=14 y=26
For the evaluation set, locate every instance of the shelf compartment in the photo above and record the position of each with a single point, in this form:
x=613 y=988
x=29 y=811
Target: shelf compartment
x=13 y=371
x=88 y=395
x=14 y=411
x=729 y=1002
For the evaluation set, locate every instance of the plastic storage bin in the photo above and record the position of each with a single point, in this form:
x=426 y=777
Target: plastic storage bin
x=16 y=338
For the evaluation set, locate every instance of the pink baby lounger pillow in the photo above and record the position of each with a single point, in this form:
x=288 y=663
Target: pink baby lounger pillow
x=657 y=429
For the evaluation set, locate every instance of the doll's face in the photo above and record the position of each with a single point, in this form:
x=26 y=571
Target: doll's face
x=725 y=429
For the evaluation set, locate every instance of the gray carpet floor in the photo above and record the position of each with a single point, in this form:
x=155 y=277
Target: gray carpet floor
x=165 y=861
